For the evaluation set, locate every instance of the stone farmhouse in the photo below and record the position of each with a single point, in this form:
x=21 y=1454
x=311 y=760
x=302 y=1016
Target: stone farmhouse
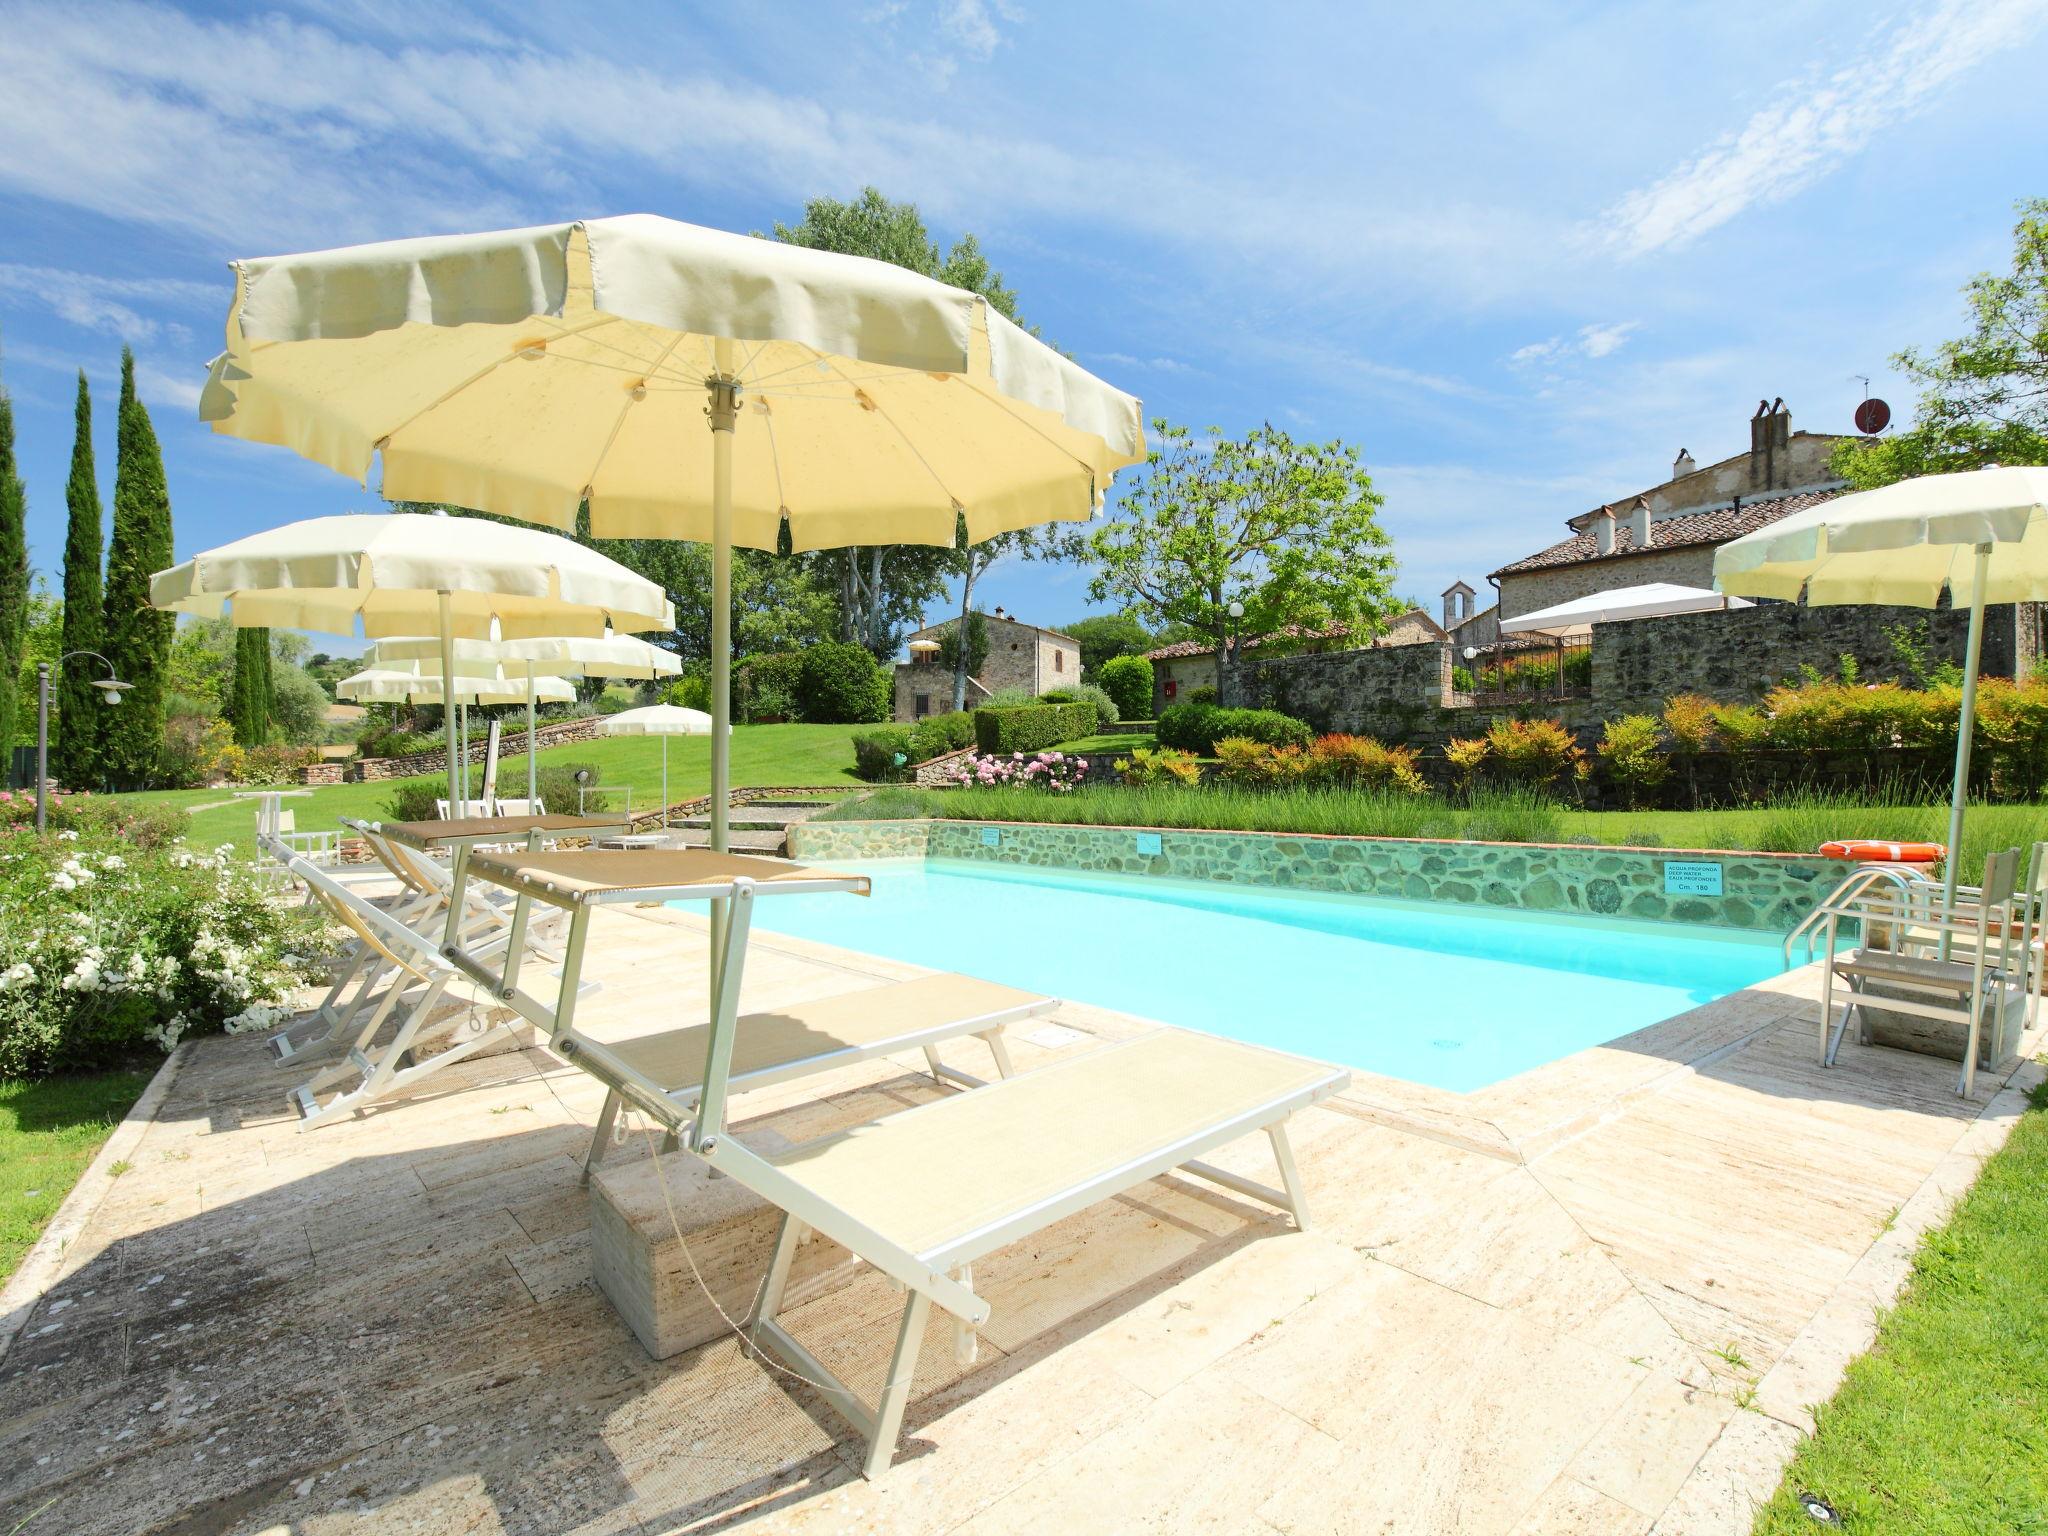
x=1670 y=531
x=1020 y=655
x=1179 y=669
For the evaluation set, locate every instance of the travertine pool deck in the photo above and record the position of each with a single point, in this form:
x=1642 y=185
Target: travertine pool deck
x=1596 y=1298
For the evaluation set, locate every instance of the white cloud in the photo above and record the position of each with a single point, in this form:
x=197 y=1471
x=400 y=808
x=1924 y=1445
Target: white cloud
x=1815 y=123
x=1595 y=340
x=159 y=387
x=1155 y=364
x=103 y=303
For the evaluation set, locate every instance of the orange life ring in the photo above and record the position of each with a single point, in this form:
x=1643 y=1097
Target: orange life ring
x=1870 y=851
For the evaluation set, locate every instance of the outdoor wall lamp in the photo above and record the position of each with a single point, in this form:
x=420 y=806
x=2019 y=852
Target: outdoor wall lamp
x=111 y=688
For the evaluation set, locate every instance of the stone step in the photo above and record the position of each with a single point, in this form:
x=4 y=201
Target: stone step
x=738 y=841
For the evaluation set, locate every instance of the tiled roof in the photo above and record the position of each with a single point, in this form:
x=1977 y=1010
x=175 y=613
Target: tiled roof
x=1184 y=648
x=1715 y=526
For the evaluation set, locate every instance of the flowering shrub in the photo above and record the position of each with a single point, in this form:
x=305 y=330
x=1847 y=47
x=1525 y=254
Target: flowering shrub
x=141 y=824
x=1539 y=752
x=1039 y=770
x=110 y=945
x=1360 y=762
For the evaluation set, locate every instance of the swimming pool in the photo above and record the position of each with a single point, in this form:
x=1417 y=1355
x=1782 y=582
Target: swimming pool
x=1451 y=996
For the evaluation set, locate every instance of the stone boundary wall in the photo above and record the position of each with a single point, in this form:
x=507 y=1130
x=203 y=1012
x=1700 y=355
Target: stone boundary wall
x=1402 y=694
x=1764 y=892
x=510 y=744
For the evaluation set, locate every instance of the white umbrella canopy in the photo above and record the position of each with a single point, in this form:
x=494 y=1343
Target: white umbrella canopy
x=663 y=720
x=1980 y=536
x=1654 y=599
x=404 y=573
x=397 y=685
x=531 y=371
x=562 y=656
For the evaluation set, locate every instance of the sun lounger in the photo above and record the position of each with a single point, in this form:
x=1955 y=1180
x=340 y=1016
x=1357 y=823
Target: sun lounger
x=923 y=1193
x=805 y=1039
x=1967 y=987
x=425 y=985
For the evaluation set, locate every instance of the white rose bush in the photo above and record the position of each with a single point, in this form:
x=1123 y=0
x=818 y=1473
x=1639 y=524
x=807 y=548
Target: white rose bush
x=116 y=943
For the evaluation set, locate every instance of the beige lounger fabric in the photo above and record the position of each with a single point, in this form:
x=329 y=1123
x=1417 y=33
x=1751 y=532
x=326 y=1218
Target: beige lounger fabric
x=596 y=871
x=851 y=1021
x=931 y=1175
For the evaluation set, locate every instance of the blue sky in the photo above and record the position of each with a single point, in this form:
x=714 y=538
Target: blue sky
x=1519 y=255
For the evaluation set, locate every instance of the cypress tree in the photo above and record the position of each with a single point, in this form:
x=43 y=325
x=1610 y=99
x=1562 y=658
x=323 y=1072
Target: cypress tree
x=250 y=705
x=138 y=637
x=13 y=581
x=75 y=740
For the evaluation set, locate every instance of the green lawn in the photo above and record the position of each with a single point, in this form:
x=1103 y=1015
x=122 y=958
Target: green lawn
x=1938 y=1430
x=761 y=755
x=1110 y=741
x=49 y=1131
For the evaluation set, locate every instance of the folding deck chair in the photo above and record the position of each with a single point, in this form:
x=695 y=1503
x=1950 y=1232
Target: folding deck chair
x=923 y=1193
x=426 y=984
x=1963 y=987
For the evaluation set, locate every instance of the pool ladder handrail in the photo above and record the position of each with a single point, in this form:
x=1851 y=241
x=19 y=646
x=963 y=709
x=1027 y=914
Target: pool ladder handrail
x=1840 y=902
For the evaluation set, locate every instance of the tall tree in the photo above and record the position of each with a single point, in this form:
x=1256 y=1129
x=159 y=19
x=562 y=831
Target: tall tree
x=974 y=561
x=1984 y=396
x=1290 y=530
x=884 y=588
x=76 y=744
x=1105 y=636
x=138 y=636
x=13 y=579
x=250 y=704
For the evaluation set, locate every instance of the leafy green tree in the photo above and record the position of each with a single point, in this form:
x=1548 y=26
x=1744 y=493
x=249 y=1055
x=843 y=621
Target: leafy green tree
x=1106 y=635
x=75 y=742
x=1289 y=530
x=13 y=581
x=967 y=660
x=884 y=588
x=1984 y=396
x=138 y=636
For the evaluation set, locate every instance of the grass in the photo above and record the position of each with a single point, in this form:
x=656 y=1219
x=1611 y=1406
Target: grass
x=49 y=1131
x=1792 y=825
x=1104 y=743
x=1937 y=1430
x=761 y=755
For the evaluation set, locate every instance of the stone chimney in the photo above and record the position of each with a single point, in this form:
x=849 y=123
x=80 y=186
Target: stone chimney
x=1603 y=531
x=999 y=612
x=1770 y=441
x=1682 y=465
x=1639 y=523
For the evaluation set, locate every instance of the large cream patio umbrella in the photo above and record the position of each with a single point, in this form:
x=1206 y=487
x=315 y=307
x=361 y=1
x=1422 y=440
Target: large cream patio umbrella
x=410 y=683
x=663 y=720
x=1981 y=536
x=529 y=372
x=617 y=656
x=407 y=574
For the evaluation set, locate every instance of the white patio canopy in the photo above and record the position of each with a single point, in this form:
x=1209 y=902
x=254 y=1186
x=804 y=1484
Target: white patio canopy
x=1654 y=600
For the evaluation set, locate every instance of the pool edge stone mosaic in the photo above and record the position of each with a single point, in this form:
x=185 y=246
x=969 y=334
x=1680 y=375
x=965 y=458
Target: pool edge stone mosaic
x=1759 y=892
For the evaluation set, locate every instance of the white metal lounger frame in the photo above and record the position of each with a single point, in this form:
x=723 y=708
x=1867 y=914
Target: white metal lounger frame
x=1991 y=918
x=381 y=1070
x=942 y=1276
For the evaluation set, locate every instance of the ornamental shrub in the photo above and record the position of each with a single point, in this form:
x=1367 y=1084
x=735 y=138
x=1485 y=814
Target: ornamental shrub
x=1467 y=757
x=109 y=947
x=1159 y=765
x=1128 y=682
x=841 y=684
x=1085 y=693
x=1635 y=761
x=1244 y=761
x=883 y=755
x=1538 y=752
x=1360 y=762
x=691 y=692
x=1056 y=771
x=1198 y=727
x=1030 y=727
x=1689 y=721
x=770 y=686
x=936 y=735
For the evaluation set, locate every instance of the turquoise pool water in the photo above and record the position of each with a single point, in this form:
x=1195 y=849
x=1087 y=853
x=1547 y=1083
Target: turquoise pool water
x=1436 y=994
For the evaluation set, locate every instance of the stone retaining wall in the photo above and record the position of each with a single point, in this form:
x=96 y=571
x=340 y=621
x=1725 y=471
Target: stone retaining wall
x=1764 y=891
x=510 y=744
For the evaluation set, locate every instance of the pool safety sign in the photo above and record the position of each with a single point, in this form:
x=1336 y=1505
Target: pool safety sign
x=1688 y=879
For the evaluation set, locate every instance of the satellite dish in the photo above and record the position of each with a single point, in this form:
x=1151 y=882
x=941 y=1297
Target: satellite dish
x=1872 y=417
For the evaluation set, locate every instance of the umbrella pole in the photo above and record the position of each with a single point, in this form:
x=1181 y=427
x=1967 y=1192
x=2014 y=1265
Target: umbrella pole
x=448 y=699
x=724 y=411
x=664 y=781
x=532 y=744
x=1973 y=651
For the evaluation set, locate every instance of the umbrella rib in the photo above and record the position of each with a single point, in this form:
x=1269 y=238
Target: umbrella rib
x=907 y=443
x=619 y=421
x=482 y=373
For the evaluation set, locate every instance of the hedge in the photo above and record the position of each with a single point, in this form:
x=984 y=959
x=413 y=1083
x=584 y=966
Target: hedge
x=842 y=684
x=1198 y=727
x=1032 y=727
x=884 y=754
x=1128 y=680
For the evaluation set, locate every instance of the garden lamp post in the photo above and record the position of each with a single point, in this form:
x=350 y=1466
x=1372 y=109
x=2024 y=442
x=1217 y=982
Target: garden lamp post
x=1229 y=658
x=111 y=688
